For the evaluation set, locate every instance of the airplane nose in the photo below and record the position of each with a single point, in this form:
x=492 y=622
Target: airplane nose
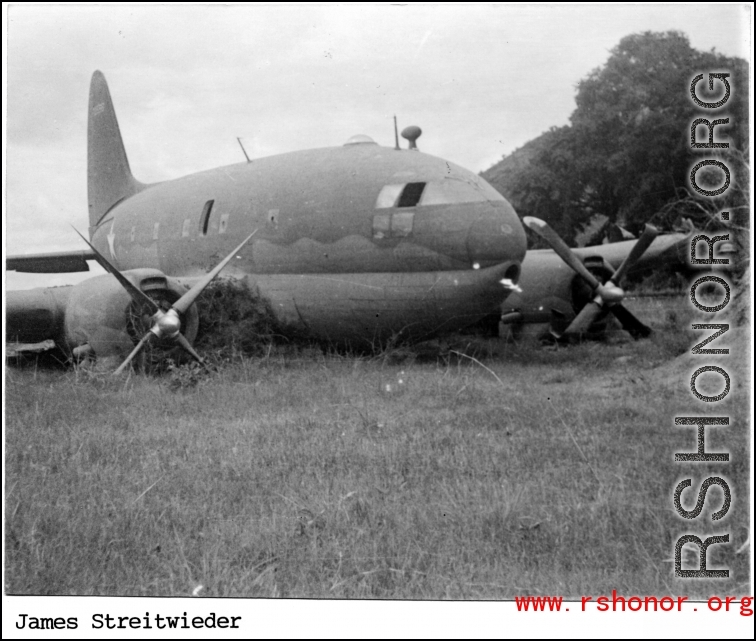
x=496 y=236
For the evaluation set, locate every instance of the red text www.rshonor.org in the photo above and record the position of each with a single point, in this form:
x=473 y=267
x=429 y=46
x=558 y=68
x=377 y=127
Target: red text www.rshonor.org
x=618 y=603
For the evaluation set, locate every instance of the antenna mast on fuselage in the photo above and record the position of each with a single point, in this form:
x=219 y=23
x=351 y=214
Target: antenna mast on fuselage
x=243 y=150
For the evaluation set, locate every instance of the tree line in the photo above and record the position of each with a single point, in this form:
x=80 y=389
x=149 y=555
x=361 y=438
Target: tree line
x=626 y=154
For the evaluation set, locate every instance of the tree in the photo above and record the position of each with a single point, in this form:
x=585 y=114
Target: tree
x=632 y=124
x=534 y=180
x=626 y=153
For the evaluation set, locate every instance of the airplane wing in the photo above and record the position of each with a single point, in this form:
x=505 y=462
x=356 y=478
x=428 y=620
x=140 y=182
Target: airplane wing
x=552 y=294
x=51 y=263
x=667 y=249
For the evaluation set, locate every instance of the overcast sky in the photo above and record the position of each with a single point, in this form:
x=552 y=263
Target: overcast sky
x=186 y=80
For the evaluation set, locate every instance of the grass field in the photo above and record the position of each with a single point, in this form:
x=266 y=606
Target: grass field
x=509 y=470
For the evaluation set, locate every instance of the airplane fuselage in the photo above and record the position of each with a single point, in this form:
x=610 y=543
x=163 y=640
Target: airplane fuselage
x=353 y=241
x=332 y=210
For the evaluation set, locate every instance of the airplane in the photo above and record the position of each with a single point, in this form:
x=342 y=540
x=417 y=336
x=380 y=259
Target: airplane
x=356 y=245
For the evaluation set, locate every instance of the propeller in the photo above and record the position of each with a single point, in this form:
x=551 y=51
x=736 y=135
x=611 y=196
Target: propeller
x=164 y=324
x=608 y=296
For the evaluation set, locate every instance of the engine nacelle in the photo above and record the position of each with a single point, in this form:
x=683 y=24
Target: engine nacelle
x=35 y=315
x=101 y=319
x=552 y=295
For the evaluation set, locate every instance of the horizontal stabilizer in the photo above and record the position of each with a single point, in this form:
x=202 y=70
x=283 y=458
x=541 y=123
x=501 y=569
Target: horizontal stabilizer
x=51 y=263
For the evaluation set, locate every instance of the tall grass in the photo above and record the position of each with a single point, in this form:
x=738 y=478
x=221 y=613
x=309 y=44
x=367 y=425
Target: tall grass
x=299 y=474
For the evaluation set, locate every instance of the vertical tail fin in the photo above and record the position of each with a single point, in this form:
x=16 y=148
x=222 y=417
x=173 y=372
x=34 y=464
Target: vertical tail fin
x=108 y=173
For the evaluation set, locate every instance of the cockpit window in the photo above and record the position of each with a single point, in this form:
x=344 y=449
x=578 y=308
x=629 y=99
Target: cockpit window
x=401 y=224
x=396 y=225
x=411 y=194
x=381 y=226
x=405 y=195
x=387 y=197
x=451 y=191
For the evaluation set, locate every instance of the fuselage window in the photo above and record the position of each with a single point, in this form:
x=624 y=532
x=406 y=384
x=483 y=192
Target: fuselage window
x=223 y=224
x=411 y=194
x=155 y=231
x=205 y=218
x=185 y=228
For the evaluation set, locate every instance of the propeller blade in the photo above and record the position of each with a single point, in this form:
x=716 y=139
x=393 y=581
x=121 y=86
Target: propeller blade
x=596 y=309
x=145 y=339
x=136 y=294
x=183 y=303
x=543 y=229
x=583 y=321
x=649 y=233
x=181 y=340
x=630 y=322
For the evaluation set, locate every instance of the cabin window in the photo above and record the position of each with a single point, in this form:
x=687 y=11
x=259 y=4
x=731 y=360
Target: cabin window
x=133 y=233
x=411 y=194
x=155 y=231
x=205 y=217
x=223 y=224
x=185 y=228
x=388 y=196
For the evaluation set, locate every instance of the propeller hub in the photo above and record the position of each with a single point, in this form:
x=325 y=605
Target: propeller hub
x=166 y=324
x=610 y=293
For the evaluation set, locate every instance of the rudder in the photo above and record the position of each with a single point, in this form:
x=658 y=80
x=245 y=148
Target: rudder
x=109 y=178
